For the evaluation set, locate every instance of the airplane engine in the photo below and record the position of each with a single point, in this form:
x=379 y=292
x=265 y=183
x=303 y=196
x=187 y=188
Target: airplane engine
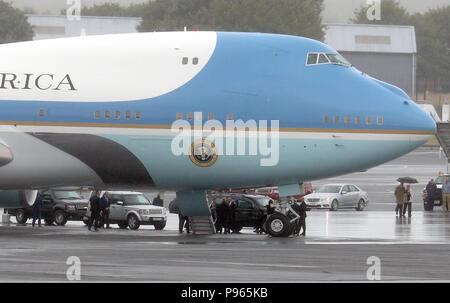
x=17 y=198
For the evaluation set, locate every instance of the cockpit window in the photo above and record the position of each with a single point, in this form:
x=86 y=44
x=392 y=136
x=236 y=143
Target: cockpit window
x=323 y=58
x=338 y=59
x=312 y=59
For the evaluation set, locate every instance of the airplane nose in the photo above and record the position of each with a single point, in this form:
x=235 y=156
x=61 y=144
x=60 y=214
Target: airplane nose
x=422 y=125
x=423 y=121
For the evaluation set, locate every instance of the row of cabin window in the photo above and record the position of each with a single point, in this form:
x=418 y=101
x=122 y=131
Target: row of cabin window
x=358 y=120
x=190 y=116
x=117 y=114
x=107 y=114
x=185 y=61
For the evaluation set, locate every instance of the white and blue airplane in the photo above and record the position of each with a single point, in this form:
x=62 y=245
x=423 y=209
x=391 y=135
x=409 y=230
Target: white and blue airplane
x=97 y=111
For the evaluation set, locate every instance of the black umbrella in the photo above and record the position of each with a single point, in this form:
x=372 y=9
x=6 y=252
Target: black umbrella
x=407 y=180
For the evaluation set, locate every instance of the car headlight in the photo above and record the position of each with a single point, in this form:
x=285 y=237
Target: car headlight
x=70 y=207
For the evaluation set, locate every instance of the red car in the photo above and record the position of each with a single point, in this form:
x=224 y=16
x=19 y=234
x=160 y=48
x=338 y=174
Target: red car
x=272 y=192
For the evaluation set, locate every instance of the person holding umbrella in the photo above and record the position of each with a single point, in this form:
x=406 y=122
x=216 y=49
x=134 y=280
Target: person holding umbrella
x=408 y=195
x=408 y=201
x=400 y=199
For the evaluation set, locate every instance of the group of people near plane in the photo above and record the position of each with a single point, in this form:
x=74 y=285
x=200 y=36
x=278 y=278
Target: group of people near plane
x=432 y=190
x=99 y=210
x=223 y=214
x=403 y=199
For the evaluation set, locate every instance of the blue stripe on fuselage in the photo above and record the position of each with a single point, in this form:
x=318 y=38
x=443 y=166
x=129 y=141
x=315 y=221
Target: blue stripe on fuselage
x=252 y=76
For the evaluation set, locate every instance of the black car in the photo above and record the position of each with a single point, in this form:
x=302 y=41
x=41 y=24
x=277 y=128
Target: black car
x=58 y=206
x=250 y=210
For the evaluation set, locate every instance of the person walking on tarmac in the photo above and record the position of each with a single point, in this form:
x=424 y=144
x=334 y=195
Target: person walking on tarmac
x=446 y=195
x=408 y=201
x=105 y=204
x=431 y=192
x=94 y=203
x=400 y=199
x=37 y=210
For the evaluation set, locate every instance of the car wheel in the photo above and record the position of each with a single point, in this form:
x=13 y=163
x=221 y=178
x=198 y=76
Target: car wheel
x=334 y=205
x=160 y=225
x=133 y=222
x=60 y=217
x=360 y=206
x=21 y=216
x=49 y=221
x=278 y=225
x=123 y=225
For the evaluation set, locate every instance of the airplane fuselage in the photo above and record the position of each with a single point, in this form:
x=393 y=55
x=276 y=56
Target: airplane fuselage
x=99 y=111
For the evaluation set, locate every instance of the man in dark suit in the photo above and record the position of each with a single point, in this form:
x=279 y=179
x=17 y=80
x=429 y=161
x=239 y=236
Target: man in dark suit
x=37 y=210
x=158 y=201
x=221 y=212
x=183 y=222
x=301 y=222
x=431 y=193
x=94 y=203
x=105 y=204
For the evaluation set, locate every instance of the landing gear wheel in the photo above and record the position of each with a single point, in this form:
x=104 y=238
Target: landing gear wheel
x=278 y=225
x=133 y=222
x=160 y=225
x=360 y=205
x=60 y=217
x=21 y=216
x=334 y=205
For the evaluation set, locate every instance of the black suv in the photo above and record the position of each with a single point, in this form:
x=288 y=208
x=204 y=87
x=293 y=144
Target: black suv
x=249 y=212
x=58 y=206
x=440 y=180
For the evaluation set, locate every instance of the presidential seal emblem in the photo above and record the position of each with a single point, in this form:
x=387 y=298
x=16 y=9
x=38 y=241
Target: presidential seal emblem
x=203 y=153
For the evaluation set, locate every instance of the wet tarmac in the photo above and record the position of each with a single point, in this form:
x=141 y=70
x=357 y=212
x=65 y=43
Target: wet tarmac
x=336 y=248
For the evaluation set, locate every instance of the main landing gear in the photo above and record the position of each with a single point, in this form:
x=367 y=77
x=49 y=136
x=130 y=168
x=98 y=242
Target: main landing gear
x=282 y=223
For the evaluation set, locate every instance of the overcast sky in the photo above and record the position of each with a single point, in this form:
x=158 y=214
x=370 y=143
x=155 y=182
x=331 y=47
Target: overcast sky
x=335 y=10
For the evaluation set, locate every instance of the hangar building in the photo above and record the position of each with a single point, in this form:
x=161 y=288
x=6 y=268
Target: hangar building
x=59 y=26
x=385 y=52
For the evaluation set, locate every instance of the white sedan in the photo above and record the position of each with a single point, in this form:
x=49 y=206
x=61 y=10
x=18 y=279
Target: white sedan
x=335 y=196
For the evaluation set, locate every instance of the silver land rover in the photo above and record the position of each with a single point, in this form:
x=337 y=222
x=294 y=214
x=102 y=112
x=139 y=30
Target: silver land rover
x=133 y=209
